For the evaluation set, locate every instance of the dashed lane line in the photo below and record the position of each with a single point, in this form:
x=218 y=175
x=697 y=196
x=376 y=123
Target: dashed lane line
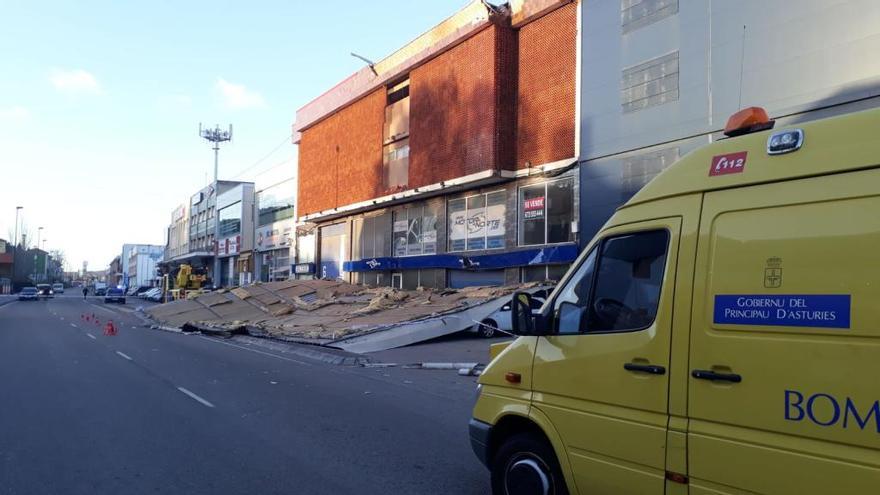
x=195 y=397
x=91 y=336
x=126 y=356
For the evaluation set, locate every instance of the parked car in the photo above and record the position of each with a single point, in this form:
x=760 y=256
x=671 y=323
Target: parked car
x=58 y=288
x=28 y=294
x=115 y=295
x=146 y=294
x=154 y=294
x=45 y=291
x=132 y=291
x=500 y=321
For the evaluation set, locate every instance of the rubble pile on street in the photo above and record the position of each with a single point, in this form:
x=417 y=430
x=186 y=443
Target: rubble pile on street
x=334 y=313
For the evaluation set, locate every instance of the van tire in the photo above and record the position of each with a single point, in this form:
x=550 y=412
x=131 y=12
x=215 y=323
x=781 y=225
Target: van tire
x=526 y=463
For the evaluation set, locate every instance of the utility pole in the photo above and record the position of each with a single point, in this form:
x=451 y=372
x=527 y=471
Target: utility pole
x=216 y=136
x=15 y=244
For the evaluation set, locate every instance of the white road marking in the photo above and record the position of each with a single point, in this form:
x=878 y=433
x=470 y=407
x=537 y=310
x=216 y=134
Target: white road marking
x=258 y=352
x=62 y=318
x=91 y=336
x=126 y=356
x=73 y=325
x=195 y=397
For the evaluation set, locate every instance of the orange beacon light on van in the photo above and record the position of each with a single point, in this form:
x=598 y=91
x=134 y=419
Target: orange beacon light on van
x=748 y=120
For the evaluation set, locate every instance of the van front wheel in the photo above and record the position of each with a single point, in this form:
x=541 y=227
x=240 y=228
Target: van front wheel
x=526 y=465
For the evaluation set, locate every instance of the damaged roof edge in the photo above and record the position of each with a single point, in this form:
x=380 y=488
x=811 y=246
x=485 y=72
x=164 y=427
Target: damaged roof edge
x=472 y=18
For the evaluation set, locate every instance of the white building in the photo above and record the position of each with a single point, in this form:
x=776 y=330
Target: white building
x=140 y=267
x=659 y=78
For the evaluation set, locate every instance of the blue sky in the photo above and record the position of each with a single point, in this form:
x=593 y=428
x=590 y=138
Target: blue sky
x=100 y=102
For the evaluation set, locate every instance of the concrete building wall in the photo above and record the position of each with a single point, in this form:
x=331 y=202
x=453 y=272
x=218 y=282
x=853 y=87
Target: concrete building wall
x=659 y=79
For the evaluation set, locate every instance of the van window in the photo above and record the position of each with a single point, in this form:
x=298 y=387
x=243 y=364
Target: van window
x=623 y=291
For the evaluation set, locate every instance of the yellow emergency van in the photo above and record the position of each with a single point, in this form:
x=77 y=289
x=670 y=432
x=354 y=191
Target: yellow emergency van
x=719 y=335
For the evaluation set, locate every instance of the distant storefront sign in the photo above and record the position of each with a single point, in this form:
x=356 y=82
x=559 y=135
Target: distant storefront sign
x=304 y=268
x=229 y=246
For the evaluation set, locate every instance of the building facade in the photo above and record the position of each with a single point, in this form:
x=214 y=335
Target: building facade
x=6 y=260
x=190 y=235
x=660 y=78
x=275 y=227
x=235 y=210
x=142 y=263
x=114 y=272
x=177 y=236
x=455 y=163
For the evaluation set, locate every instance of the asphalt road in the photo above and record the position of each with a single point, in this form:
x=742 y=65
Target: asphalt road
x=148 y=411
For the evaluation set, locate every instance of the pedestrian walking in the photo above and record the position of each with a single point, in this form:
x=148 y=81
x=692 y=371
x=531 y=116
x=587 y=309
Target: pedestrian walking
x=85 y=292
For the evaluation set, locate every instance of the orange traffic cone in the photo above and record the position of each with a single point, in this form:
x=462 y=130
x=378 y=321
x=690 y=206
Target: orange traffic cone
x=109 y=329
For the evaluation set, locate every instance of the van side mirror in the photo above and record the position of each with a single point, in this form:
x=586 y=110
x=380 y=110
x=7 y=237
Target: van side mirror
x=521 y=314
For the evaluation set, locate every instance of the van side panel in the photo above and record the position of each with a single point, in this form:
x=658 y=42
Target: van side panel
x=787 y=297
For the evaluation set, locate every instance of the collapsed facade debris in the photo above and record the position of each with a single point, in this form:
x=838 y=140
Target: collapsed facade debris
x=336 y=314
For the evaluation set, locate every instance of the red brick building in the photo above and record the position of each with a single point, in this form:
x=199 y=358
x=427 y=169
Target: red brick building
x=452 y=161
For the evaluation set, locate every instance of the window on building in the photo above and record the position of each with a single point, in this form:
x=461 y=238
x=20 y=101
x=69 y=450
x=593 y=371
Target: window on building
x=230 y=220
x=546 y=212
x=414 y=231
x=395 y=137
x=638 y=13
x=369 y=236
x=477 y=222
x=650 y=83
x=276 y=202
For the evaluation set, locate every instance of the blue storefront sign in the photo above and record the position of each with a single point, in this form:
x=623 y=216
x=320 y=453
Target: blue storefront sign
x=807 y=310
x=565 y=253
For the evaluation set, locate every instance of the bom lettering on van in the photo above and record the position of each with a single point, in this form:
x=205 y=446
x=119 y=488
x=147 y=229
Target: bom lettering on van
x=811 y=310
x=731 y=163
x=827 y=410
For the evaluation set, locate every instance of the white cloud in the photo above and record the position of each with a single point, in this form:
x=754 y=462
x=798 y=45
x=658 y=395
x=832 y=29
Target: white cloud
x=15 y=114
x=74 y=81
x=238 y=96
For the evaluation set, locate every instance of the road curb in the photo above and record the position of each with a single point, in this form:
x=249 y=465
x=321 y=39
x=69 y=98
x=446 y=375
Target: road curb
x=309 y=351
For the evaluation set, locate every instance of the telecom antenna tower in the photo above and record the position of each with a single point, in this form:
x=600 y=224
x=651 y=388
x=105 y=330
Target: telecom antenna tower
x=216 y=136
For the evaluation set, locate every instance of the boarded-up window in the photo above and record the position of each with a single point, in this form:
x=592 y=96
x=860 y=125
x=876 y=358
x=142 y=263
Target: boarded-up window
x=638 y=13
x=650 y=83
x=636 y=171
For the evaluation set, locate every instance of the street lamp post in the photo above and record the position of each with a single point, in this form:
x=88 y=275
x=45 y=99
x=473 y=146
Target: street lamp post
x=15 y=243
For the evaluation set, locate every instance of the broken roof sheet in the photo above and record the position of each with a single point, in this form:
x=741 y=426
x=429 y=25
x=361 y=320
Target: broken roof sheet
x=323 y=310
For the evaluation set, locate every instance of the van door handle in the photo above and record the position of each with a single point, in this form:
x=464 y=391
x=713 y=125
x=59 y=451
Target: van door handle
x=715 y=376
x=645 y=368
